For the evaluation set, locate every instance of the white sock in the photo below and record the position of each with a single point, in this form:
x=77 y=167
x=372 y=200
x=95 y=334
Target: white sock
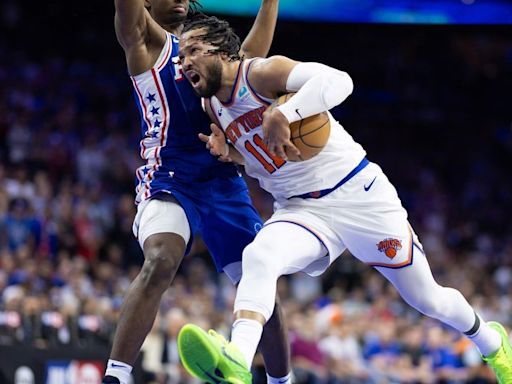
x=487 y=339
x=246 y=335
x=120 y=370
x=279 y=380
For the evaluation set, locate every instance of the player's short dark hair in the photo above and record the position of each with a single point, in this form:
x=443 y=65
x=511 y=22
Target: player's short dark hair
x=217 y=33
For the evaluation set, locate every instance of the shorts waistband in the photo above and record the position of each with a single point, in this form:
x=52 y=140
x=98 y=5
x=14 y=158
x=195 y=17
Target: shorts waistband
x=323 y=192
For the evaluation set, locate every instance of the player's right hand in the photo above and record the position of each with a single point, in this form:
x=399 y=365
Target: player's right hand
x=276 y=134
x=216 y=143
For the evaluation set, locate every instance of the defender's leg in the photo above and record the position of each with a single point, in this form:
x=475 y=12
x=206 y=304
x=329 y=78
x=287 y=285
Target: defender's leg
x=164 y=232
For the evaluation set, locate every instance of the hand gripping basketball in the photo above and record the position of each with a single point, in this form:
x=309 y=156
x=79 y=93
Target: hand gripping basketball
x=308 y=136
x=276 y=134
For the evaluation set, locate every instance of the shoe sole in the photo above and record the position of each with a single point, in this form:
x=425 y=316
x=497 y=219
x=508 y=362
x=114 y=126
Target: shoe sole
x=198 y=355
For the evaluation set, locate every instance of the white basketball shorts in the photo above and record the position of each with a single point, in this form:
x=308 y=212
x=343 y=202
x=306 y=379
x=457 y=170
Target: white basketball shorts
x=364 y=215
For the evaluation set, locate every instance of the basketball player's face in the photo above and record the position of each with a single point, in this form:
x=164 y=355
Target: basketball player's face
x=168 y=11
x=202 y=68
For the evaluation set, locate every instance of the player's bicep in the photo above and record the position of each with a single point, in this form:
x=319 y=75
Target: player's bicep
x=269 y=76
x=131 y=22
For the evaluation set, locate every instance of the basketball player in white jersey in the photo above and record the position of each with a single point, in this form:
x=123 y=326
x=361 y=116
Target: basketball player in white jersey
x=334 y=201
x=172 y=202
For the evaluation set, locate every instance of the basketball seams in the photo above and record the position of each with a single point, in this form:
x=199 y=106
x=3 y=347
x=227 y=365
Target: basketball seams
x=309 y=132
x=301 y=136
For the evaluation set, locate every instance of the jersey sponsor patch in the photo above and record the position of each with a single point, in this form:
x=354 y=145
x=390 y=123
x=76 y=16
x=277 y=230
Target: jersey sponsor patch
x=242 y=91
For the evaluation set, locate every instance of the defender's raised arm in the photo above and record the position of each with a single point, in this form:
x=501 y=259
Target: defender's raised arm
x=140 y=36
x=258 y=41
x=130 y=22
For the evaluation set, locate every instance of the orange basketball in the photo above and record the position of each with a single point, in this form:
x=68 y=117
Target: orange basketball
x=310 y=134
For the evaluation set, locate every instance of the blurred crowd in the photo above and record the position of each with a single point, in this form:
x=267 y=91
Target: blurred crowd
x=435 y=114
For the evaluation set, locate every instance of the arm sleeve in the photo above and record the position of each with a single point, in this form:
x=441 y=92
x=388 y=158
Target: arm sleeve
x=319 y=88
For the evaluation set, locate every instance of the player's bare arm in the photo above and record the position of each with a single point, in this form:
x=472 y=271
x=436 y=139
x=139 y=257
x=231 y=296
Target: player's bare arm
x=318 y=86
x=258 y=41
x=140 y=36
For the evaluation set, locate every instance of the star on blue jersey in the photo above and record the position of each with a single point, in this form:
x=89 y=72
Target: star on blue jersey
x=168 y=142
x=155 y=110
x=151 y=97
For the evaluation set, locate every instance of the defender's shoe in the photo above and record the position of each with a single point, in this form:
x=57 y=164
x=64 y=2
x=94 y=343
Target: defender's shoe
x=501 y=360
x=209 y=357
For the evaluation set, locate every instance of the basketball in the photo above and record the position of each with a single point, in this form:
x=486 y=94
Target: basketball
x=310 y=134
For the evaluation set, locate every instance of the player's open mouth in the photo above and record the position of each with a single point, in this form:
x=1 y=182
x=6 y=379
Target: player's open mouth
x=194 y=77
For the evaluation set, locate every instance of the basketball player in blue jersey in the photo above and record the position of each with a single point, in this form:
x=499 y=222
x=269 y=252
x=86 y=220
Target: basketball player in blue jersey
x=334 y=201
x=181 y=189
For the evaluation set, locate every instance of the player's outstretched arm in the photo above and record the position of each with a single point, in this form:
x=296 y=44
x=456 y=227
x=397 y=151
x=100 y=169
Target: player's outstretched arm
x=258 y=41
x=140 y=36
x=130 y=22
x=319 y=88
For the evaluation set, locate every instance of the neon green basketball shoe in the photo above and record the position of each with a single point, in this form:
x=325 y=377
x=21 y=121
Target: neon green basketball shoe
x=501 y=360
x=209 y=357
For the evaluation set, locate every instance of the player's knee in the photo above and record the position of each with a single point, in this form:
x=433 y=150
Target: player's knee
x=259 y=260
x=159 y=269
x=162 y=260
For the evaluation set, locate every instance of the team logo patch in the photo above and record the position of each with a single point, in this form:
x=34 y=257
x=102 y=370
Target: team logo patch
x=389 y=247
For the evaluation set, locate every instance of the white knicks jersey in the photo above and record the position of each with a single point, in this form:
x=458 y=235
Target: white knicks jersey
x=241 y=120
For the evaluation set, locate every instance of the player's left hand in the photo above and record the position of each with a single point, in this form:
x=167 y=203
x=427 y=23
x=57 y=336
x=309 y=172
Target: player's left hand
x=216 y=143
x=276 y=134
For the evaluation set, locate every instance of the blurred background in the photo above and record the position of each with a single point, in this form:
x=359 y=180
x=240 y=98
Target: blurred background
x=432 y=105
x=379 y=11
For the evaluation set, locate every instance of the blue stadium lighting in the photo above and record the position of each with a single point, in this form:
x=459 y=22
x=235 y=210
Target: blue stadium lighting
x=379 y=11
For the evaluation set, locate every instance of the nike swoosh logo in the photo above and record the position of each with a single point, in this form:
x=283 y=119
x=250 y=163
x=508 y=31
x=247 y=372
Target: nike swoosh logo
x=367 y=188
x=226 y=355
x=114 y=365
x=213 y=378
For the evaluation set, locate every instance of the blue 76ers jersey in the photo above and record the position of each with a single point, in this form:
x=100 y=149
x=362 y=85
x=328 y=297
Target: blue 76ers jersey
x=171 y=118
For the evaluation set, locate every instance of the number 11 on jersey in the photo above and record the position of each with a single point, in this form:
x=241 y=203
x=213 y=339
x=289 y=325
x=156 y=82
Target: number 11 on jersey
x=277 y=162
